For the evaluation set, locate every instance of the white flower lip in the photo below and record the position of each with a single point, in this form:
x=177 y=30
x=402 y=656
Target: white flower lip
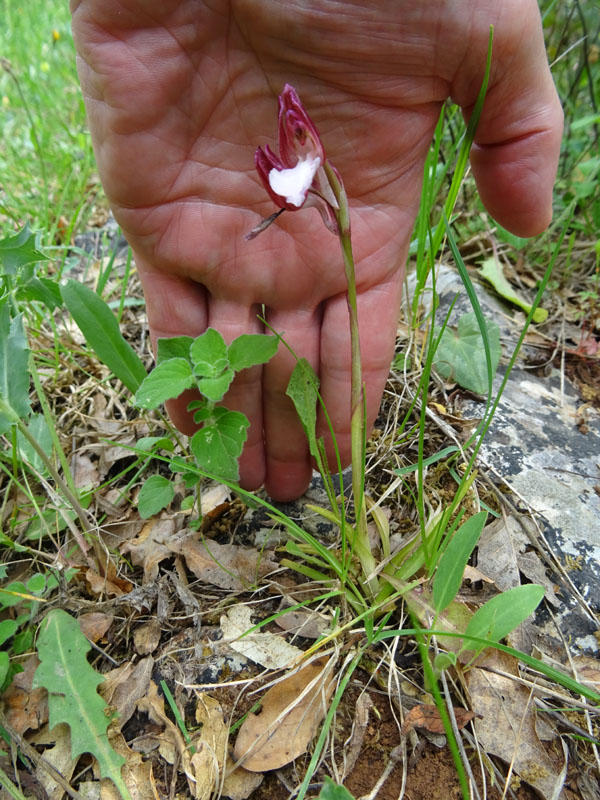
x=293 y=184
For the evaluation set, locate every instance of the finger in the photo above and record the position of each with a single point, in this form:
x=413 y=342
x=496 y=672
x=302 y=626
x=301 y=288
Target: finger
x=245 y=393
x=378 y=310
x=517 y=144
x=288 y=463
x=175 y=307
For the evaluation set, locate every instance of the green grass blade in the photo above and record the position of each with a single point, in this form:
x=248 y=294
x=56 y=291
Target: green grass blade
x=448 y=576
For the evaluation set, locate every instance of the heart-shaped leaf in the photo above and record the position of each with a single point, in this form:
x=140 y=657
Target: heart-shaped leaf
x=460 y=355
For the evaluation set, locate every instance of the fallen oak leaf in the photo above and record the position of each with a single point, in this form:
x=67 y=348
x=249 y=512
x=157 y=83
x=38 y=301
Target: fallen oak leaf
x=210 y=746
x=95 y=624
x=239 y=784
x=125 y=685
x=428 y=717
x=137 y=773
x=270 y=650
x=506 y=724
x=25 y=708
x=290 y=714
x=151 y=546
x=228 y=566
x=59 y=756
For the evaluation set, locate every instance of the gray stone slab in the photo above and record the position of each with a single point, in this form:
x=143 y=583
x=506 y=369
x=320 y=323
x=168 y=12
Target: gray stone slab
x=552 y=463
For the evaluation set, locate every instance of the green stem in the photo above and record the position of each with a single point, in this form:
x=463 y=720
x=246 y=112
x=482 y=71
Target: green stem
x=357 y=396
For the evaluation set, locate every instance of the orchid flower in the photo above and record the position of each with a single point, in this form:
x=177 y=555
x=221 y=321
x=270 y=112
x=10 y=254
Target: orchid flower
x=296 y=178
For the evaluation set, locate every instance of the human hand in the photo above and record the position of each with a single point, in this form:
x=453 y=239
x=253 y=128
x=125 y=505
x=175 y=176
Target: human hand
x=179 y=94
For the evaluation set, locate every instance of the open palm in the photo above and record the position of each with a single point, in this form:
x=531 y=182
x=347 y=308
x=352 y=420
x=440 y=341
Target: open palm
x=181 y=92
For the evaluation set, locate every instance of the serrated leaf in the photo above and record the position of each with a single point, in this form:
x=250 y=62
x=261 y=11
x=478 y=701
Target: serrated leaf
x=251 y=349
x=460 y=355
x=303 y=389
x=71 y=683
x=209 y=353
x=101 y=330
x=503 y=613
x=166 y=381
x=18 y=250
x=214 y=388
x=14 y=370
x=491 y=270
x=448 y=576
x=218 y=446
x=175 y=347
x=156 y=494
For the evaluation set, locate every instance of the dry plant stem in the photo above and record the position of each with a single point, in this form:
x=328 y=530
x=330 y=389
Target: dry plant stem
x=357 y=405
x=39 y=760
x=459 y=741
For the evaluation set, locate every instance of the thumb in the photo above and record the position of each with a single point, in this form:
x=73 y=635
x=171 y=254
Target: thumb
x=515 y=154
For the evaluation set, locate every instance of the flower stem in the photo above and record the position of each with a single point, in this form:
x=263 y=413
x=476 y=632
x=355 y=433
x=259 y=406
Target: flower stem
x=362 y=546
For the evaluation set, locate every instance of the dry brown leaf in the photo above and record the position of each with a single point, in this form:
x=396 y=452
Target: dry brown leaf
x=353 y=746
x=172 y=746
x=25 y=708
x=151 y=546
x=104 y=579
x=290 y=714
x=474 y=575
x=124 y=686
x=507 y=728
x=530 y=564
x=103 y=585
x=240 y=783
x=428 y=717
x=588 y=671
x=210 y=745
x=267 y=649
x=497 y=550
x=95 y=624
x=213 y=497
x=304 y=623
x=146 y=638
x=228 y=566
x=59 y=756
x=85 y=474
x=136 y=773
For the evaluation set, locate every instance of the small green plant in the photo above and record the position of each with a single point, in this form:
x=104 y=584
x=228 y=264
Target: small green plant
x=208 y=365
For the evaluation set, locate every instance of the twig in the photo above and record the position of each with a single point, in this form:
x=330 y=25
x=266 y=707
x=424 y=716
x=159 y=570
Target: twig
x=40 y=761
x=457 y=735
